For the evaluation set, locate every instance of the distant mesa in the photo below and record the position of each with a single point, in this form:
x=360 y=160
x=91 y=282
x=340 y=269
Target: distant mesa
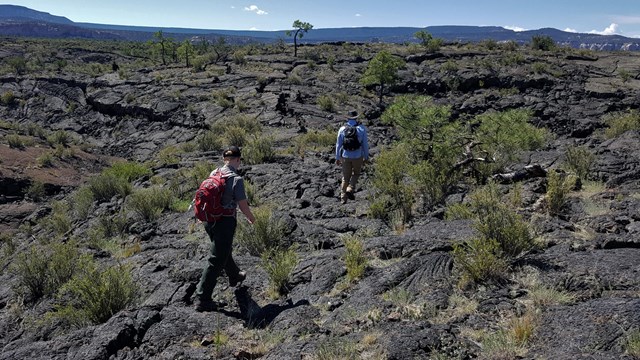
x=24 y=22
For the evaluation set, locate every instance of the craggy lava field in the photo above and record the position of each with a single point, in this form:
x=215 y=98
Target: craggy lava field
x=515 y=248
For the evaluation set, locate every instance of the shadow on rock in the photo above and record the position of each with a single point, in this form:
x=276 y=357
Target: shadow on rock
x=255 y=316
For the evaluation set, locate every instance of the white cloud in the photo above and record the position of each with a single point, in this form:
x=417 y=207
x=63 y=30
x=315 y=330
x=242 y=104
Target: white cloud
x=358 y=15
x=254 y=8
x=233 y=7
x=610 y=30
x=570 y=30
x=253 y=28
x=515 y=28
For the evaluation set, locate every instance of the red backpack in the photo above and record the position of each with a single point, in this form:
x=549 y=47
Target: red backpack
x=208 y=199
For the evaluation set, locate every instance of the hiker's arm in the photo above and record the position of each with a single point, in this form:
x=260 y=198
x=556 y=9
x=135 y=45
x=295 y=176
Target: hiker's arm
x=246 y=210
x=339 y=141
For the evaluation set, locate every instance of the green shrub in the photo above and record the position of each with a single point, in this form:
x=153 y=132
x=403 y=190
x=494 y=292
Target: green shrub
x=7 y=98
x=129 y=171
x=45 y=160
x=632 y=344
x=578 y=159
x=59 y=137
x=252 y=196
x=36 y=191
x=41 y=272
x=235 y=135
x=433 y=181
x=59 y=221
x=18 y=63
x=495 y=220
x=619 y=123
x=542 y=42
x=336 y=348
x=315 y=139
x=81 y=203
x=558 y=188
x=97 y=294
x=248 y=123
x=15 y=141
x=354 y=258
x=480 y=260
x=259 y=149
x=149 y=203
x=458 y=212
x=106 y=186
x=504 y=135
x=449 y=66
x=279 y=265
x=266 y=233
x=391 y=191
x=209 y=141
x=325 y=102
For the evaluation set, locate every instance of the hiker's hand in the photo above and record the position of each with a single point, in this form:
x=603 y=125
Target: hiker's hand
x=338 y=162
x=251 y=220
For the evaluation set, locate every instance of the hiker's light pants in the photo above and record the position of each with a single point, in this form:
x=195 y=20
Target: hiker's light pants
x=351 y=169
x=221 y=235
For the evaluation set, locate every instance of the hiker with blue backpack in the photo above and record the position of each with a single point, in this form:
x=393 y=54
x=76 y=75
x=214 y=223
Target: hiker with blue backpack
x=215 y=205
x=352 y=150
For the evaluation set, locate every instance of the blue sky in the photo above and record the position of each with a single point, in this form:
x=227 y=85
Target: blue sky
x=607 y=17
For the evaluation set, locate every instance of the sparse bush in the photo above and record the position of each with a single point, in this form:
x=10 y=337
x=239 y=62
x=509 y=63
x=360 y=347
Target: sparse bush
x=149 y=203
x=209 y=141
x=579 y=160
x=314 y=138
x=391 y=192
x=259 y=149
x=558 y=188
x=542 y=42
x=45 y=160
x=294 y=79
x=480 y=260
x=540 y=68
x=625 y=75
x=266 y=233
x=458 y=212
x=81 y=203
x=59 y=221
x=106 y=186
x=59 y=137
x=235 y=135
x=129 y=171
x=335 y=348
x=7 y=98
x=42 y=273
x=36 y=191
x=223 y=97
x=97 y=294
x=15 y=141
x=618 y=124
x=632 y=343
x=543 y=296
x=325 y=102
x=496 y=221
x=279 y=265
x=449 y=66
x=354 y=258
x=18 y=63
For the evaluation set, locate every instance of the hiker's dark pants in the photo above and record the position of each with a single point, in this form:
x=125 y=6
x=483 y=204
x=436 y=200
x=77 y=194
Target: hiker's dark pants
x=221 y=235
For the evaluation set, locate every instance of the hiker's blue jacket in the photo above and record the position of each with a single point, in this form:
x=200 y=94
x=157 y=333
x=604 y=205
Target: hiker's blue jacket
x=362 y=152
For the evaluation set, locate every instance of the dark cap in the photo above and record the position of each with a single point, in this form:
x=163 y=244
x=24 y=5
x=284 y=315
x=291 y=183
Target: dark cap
x=231 y=151
x=353 y=114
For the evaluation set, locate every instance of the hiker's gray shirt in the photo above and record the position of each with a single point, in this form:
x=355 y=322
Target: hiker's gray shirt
x=234 y=187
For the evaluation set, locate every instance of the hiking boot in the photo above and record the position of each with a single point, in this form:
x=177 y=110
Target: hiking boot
x=350 y=193
x=233 y=281
x=208 y=305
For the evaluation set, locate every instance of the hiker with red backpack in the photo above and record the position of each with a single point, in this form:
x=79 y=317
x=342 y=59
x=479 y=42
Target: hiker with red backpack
x=352 y=150
x=215 y=205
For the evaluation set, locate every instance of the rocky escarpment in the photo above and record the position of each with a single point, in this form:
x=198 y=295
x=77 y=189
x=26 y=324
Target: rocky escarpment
x=408 y=303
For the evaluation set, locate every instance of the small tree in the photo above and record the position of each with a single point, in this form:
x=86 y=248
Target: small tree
x=161 y=42
x=221 y=49
x=382 y=70
x=301 y=28
x=186 y=51
x=542 y=42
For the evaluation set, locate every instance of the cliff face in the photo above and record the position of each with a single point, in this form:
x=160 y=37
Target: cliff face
x=576 y=294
